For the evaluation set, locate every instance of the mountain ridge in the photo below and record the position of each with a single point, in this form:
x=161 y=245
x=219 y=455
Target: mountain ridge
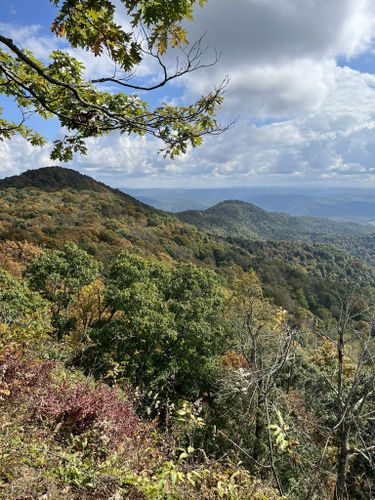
x=35 y=207
x=55 y=178
x=52 y=177
x=234 y=218
x=106 y=221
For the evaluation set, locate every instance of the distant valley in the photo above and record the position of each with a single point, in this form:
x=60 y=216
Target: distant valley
x=338 y=203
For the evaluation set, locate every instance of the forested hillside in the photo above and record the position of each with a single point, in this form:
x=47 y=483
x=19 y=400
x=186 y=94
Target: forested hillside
x=52 y=206
x=244 y=220
x=144 y=358
x=361 y=246
x=305 y=275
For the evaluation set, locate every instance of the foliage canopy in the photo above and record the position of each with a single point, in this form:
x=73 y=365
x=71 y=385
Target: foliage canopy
x=92 y=107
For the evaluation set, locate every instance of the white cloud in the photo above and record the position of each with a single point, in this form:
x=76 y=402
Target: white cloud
x=303 y=116
x=281 y=54
x=331 y=144
x=35 y=38
x=336 y=140
x=32 y=38
x=17 y=155
x=117 y=157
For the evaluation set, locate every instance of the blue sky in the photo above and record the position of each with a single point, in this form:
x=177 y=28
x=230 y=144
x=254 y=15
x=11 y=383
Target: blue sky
x=27 y=12
x=302 y=84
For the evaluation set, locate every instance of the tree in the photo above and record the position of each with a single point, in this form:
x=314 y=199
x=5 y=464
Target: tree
x=163 y=326
x=195 y=297
x=92 y=108
x=23 y=313
x=353 y=388
x=249 y=393
x=59 y=276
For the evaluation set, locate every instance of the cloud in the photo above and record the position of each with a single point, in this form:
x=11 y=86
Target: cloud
x=119 y=157
x=305 y=114
x=331 y=144
x=35 y=38
x=113 y=159
x=335 y=141
x=277 y=30
x=280 y=54
x=17 y=155
x=42 y=42
x=31 y=37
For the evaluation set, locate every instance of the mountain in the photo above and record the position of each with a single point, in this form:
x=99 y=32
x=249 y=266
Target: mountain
x=50 y=206
x=80 y=338
x=244 y=220
x=53 y=179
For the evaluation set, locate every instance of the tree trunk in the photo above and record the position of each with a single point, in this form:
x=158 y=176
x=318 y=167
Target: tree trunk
x=341 y=492
x=259 y=426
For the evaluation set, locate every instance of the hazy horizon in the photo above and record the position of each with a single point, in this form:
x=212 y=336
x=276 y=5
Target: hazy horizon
x=357 y=204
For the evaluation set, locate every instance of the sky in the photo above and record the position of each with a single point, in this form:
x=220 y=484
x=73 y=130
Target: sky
x=302 y=89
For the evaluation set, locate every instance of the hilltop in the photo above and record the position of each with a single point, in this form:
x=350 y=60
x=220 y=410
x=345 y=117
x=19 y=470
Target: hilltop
x=53 y=179
x=48 y=207
x=239 y=219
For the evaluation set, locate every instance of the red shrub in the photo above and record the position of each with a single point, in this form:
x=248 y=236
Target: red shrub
x=83 y=406
x=77 y=407
x=20 y=375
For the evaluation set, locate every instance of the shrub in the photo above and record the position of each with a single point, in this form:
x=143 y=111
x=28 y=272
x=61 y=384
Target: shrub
x=74 y=407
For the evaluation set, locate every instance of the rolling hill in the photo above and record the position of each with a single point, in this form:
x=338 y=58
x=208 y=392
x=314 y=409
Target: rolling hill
x=54 y=179
x=339 y=203
x=245 y=220
x=48 y=207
